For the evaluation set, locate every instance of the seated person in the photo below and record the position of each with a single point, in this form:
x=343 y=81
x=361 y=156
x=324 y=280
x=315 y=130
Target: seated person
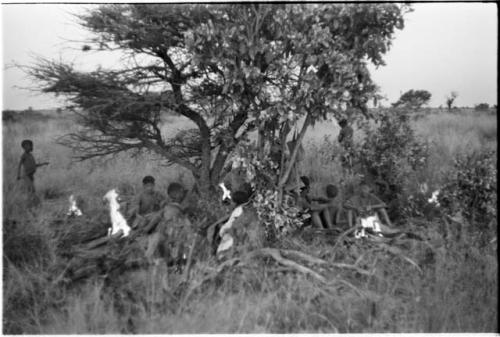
x=175 y=233
x=331 y=211
x=365 y=203
x=316 y=210
x=147 y=205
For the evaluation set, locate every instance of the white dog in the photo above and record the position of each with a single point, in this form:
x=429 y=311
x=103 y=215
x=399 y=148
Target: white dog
x=117 y=220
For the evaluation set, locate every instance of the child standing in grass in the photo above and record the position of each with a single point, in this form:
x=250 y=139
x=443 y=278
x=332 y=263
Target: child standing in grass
x=29 y=166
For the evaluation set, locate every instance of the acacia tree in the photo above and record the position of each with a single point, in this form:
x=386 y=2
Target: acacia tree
x=230 y=69
x=413 y=99
x=450 y=99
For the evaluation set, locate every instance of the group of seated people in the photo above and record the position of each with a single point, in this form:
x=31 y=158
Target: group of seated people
x=329 y=212
x=150 y=208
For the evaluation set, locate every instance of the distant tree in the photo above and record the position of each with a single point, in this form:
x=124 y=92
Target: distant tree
x=450 y=99
x=482 y=107
x=230 y=69
x=413 y=99
x=9 y=115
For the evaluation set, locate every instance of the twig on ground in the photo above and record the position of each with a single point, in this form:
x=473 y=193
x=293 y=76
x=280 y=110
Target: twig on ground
x=304 y=256
x=399 y=253
x=275 y=254
x=353 y=267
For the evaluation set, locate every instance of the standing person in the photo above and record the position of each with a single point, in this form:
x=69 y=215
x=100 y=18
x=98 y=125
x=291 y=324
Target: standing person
x=29 y=166
x=345 y=139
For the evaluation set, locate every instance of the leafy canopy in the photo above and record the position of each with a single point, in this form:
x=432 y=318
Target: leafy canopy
x=413 y=99
x=230 y=69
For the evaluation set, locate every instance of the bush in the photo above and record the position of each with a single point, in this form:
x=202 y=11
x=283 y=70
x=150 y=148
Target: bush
x=482 y=107
x=389 y=155
x=471 y=188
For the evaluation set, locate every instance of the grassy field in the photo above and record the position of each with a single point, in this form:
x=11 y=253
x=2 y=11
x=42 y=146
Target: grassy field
x=454 y=289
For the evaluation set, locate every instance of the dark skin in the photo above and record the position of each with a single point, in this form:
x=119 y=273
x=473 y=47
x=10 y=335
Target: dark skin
x=316 y=209
x=28 y=148
x=378 y=207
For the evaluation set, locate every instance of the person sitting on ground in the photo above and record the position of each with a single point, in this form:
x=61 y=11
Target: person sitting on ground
x=317 y=207
x=175 y=232
x=148 y=205
x=331 y=210
x=365 y=203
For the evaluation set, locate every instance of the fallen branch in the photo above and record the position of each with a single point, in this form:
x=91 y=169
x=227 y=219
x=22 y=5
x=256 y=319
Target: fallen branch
x=353 y=267
x=399 y=253
x=276 y=255
x=304 y=256
x=341 y=238
x=102 y=241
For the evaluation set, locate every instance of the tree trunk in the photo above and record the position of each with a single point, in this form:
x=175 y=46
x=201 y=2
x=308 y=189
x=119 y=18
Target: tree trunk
x=285 y=174
x=285 y=171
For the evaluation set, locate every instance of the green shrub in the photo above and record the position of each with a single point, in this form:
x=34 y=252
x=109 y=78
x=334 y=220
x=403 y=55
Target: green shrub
x=471 y=187
x=482 y=107
x=389 y=155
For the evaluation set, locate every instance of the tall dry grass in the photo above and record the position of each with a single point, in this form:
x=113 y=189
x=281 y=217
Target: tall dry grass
x=455 y=291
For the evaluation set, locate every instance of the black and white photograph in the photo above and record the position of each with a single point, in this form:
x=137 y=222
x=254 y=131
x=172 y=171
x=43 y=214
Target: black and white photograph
x=249 y=168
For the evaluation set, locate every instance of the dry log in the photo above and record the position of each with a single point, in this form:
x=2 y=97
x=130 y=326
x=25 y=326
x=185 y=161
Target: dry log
x=101 y=241
x=304 y=256
x=275 y=254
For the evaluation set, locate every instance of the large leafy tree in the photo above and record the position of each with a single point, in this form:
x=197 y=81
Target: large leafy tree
x=414 y=99
x=230 y=69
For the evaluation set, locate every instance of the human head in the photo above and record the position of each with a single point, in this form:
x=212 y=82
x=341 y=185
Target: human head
x=239 y=197
x=27 y=145
x=364 y=188
x=343 y=122
x=331 y=191
x=176 y=192
x=307 y=184
x=148 y=182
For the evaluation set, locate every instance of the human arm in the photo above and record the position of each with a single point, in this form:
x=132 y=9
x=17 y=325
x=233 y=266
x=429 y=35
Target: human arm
x=315 y=207
x=350 y=217
x=42 y=164
x=376 y=203
x=341 y=136
x=19 y=167
x=134 y=207
x=320 y=199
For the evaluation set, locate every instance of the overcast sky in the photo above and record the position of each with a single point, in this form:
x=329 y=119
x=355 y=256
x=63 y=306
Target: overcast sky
x=444 y=47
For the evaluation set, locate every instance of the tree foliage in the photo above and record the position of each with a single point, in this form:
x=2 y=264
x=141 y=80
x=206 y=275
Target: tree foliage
x=482 y=107
x=230 y=69
x=413 y=99
x=450 y=99
x=389 y=155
